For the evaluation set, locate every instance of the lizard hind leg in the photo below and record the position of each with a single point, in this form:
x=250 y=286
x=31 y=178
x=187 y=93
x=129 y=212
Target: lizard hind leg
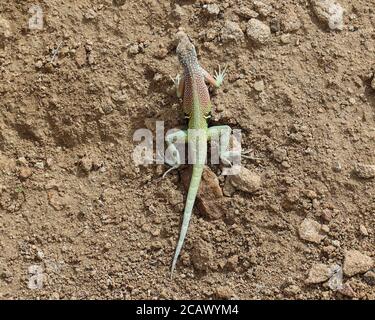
x=175 y=159
x=218 y=78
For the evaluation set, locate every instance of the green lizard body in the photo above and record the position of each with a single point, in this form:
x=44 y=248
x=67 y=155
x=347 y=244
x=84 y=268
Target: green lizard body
x=197 y=107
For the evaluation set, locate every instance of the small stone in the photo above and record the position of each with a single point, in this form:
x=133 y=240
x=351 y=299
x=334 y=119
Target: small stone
x=327 y=215
x=336 y=279
x=329 y=12
x=363 y=230
x=356 y=262
x=25 y=172
x=246 y=181
x=40 y=255
x=224 y=292
x=231 y=31
x=364 y=171
x=347 y=291
x=22 y=161
x=38 y=64
x=85 y=164
x=134 y=49
x=213 y=9
x=263 y=8
x=39 y=165
x=290 y=22
x=285 y=38
x=246 y=12
x=90 y=14
x=337 y=167
x=318 y=273
x=259 y=85
x=369 y=277
x=309 y=230
x=258 y=31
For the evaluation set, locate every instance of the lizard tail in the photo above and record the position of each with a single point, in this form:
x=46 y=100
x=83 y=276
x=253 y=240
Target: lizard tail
x=192 y=194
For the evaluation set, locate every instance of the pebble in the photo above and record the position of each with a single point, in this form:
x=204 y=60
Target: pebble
x=212 y=9
x=291 y=22
x=259 y=85
x=335 y=281
x=247 y=181
x=356 y=262
x=347 y=290
x=246 y=12
x=309 y=230
x=231 y=31
x=330 y=12
x=258 y=31
x=263 y=8
x=90 y=14
x=85 y=164
x=285 y=38
x=25 y=172
x=318 y=273
x=364 y=171
x=369 y=277
x=363 y=230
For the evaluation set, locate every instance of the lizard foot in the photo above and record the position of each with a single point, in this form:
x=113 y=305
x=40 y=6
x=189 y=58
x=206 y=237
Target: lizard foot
x=176 y=81
x=220 y=75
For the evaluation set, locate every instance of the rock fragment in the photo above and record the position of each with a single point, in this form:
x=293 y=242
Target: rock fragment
x=231 y=31
x=210 y=199
x=258 y=31
x=364 y=171
x=318 y=273
x=329 y=12
x=247 y=181
x=310 y=230
x=356 y=262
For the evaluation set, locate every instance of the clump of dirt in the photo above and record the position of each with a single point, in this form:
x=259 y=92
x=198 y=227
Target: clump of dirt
x=79 y=219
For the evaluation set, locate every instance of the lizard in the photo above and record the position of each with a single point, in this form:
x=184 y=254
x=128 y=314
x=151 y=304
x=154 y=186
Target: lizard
x=197 y=107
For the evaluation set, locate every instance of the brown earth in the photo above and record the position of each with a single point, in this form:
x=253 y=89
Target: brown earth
x=80 y=220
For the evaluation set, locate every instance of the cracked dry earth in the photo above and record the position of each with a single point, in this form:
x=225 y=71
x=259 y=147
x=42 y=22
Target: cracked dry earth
x=78 y=219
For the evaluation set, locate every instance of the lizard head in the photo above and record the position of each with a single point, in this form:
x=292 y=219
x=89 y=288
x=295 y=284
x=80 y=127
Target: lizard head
x=185 y=50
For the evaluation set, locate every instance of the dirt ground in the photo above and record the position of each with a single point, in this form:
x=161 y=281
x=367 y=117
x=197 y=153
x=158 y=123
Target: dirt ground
x=79 y=220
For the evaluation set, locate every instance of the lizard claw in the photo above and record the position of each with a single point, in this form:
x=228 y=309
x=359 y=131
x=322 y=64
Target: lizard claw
x=176 y=81
x=220 y=75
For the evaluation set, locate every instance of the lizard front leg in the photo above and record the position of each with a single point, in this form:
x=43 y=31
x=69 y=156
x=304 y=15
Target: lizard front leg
x=171 y=139
x=179 y=84
x=218 y=79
